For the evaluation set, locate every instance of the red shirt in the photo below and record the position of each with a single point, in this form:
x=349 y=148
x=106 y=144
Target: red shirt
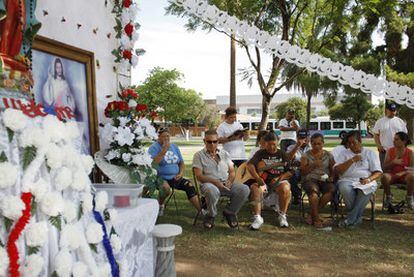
x=397 y=168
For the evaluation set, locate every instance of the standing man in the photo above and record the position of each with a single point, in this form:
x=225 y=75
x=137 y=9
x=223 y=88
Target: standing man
x=232 y=136
x=214 y=169
x=288 y=127
x=171 y=169
x=386 y=128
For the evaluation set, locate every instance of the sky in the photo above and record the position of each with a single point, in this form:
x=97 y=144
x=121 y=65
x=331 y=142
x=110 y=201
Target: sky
x=203 y=58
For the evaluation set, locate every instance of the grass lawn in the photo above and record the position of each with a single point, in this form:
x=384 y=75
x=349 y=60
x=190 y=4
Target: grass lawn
x=298 y=250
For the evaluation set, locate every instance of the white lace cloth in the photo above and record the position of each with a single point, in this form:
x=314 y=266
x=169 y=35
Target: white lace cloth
x=134 y=226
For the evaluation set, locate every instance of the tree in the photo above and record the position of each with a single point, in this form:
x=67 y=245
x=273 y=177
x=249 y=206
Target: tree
x=160 y=92
x=311 y=24
x=295 y=103
x=211 y=117
x=375 y=113
x=232 y=71
x=353 y=107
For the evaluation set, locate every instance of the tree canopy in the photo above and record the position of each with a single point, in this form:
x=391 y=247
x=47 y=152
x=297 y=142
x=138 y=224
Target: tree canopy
x=161 y=92
x=295 y=103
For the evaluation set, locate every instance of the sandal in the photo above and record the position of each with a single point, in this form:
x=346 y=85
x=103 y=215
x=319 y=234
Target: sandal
x=231 y=219
x=208 y=222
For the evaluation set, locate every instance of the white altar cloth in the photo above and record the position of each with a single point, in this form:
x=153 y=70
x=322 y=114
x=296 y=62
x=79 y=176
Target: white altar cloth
x=134 y=226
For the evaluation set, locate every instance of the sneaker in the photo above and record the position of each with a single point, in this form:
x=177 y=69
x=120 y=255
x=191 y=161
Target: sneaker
x=257 y=222
x=388 y=201
x=410 y=202
x=204 y=212
x=161 y=210
x=283 y=220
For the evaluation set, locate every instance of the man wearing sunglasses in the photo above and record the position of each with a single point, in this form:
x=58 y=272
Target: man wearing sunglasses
x=214 y=169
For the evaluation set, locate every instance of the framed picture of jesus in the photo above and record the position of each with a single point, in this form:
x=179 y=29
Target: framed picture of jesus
x=64 y=76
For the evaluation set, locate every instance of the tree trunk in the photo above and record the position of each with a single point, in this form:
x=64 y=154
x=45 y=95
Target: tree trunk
x=232 y=71
x=308 y=110
x=409 y=118
x=266 y=99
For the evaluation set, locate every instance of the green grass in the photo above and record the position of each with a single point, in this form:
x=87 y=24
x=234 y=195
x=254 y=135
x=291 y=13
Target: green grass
x=299 y=250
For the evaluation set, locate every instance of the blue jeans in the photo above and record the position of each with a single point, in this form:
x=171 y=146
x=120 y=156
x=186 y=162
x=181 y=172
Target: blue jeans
x=355 y=202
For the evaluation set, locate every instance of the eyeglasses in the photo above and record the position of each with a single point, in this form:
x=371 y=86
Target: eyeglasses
x=211 y=141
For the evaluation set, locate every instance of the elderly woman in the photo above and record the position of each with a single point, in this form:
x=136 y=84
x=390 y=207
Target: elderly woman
x=358 y=169
x=316 y=167
x=397 y=160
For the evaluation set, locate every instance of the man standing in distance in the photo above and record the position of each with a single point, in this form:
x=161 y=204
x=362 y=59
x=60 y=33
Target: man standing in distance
x=232 y=136
x=386 y=128
x=288 y=127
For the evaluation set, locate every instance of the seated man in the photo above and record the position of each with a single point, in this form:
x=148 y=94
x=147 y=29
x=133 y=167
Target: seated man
x=317 y=177
x=295 y=153
x=357 y=169
x=267 y=167
x=171 y=169
x=397 y=160
x=214 y=169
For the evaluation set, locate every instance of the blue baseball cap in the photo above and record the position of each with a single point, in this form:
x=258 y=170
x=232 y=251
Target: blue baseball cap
x=391 y=107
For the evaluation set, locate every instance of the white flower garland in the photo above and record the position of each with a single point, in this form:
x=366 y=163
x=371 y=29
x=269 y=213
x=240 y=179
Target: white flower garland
x=33 y=265
x=94 y=233
x=36 y=234
x=11 y=207
x=8 y=175
x=313 y=62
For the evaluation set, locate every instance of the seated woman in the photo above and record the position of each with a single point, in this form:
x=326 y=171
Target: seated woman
x=317 y=170
x=396 y=162
x=357 y=169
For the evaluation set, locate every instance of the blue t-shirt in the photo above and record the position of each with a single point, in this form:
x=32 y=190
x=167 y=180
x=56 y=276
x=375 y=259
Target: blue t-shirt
x=168 y=167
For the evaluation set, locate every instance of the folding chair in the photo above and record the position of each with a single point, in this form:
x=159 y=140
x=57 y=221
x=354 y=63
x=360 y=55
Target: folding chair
x=172 y=195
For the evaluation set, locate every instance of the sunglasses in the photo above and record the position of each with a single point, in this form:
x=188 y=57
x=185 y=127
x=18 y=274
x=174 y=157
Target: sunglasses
x=211 y=141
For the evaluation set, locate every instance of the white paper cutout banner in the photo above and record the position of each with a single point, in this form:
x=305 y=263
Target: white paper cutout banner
x=313 y=62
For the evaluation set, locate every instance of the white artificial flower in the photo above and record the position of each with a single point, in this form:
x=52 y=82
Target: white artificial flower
x=72 y=130
x=126 y=42
x=124 y=66
x=87 y=204
x=134 y=60
x=63 y=263
x=123 y=121
x=125 y=17
x=139 y=132
x=33 y=136
x=8 y=175
x=123 y=268
x=63 y=178
x=12 y=207
x=38 y=189
x=101 y=200
x=4 y=262
x=134 y=37
x=126 y=157
x=13 y=119
x=116 y=243
x=80 y=180
x=94 y=233
x=79 y=270
x=133 y=11
x=88 y=163
x=70 y=211
x=69 y=237
x=71 y=156
x=132 y=103
x=142 y=159
x=144 y=122
x=113 y=214
x=112 y=154
x=33 y=265
x=52 y=204
x=151 y=132
x=55 y=128
x=54 y=156
x=37 y=234
x=124 y=136
x=104 y=270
